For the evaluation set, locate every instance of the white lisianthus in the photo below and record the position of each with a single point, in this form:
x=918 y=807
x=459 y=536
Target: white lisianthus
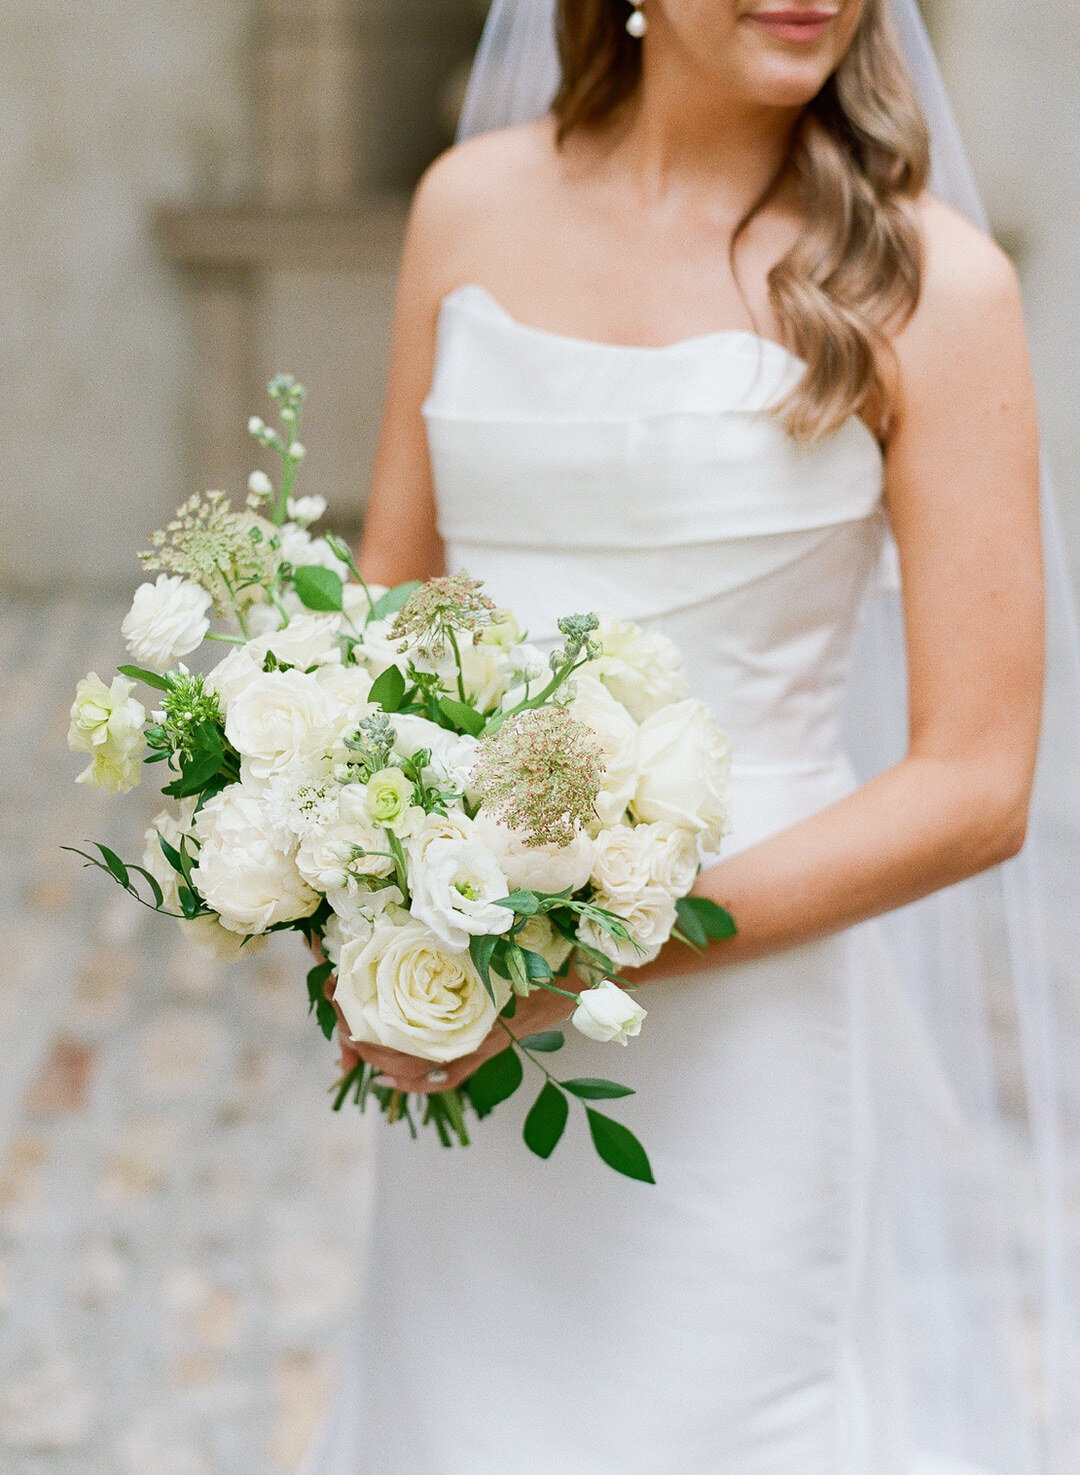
x=684 y=761
x=106 y=722
x=167 y=619
x=615 y=730
x=539 y=936
x=388 y=802
x=270 y=722
x=608 y=1013
x=453 y=826
x=240 y=873
x=305 y=510
x=402 y=988
x=453 y=755
x=641 y=668
x=649 y=916
x=545 y=868
x=455 y=890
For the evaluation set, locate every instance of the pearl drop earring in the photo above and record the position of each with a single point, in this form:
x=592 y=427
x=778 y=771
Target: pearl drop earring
x=636 y=24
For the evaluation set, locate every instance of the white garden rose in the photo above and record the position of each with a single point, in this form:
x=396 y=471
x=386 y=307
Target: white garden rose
x=608 y=1013
x=674 y=857
x=402 y=988
x=106 y=722
x=272 y=719
x=453 y=754
x=167 y=619
x=388 y=800
x=683 y=765
x=307 y=640
x=616 y=732
x=240 y=873
x=349 y=686
x=539 y=936
x=546 y=868
x=622 y=861
x=455 y=891
x=641 y=668
x=649 y=917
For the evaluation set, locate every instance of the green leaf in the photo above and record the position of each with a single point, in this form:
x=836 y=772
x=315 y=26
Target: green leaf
x=393 y=599
x=546 y=1120
x=618 y=1147
x=116 y=866
x=172 y=855
x=324 y=1010
x=703 y=921
x=537 y=968
x=151 y=881
x=480 y=950
x=495 y=1080
x=509 y=1009
x=149 y=678
x=592 y=1088
x=317 y=587
x=546 y=1041
x=467 y=718
x=515 y=967
x=388 y=690
x=190 y=904
x=525 y=903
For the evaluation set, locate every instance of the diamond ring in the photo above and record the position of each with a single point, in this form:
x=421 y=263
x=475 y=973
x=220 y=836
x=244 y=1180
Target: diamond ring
x=437 y=1077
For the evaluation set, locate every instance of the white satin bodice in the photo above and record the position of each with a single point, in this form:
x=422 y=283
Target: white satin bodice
x=652 y=483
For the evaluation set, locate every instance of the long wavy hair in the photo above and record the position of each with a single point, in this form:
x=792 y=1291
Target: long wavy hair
x=859 y=157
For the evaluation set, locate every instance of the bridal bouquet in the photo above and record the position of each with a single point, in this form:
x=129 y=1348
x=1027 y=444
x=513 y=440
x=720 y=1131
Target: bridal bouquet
x=452 y=816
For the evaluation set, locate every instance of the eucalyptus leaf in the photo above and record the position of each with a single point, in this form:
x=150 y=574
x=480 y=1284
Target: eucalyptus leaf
x=546 y=1121
x=618 y=1147
x=318 y=588
x=388 y=689
x=497 y=1079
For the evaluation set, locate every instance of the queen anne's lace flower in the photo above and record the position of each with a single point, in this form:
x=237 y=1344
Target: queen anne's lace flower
x=540 y=773
x=437 y=610
x=230 y=554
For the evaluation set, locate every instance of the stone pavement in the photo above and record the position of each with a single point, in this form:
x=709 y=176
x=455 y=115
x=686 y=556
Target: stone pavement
x=181 y=1215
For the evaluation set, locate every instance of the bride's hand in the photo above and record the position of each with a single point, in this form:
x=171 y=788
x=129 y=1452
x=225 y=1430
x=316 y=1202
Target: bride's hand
x=541 y=1010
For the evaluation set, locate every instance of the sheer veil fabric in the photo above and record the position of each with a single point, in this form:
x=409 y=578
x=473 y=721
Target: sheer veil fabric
x=981 y=1160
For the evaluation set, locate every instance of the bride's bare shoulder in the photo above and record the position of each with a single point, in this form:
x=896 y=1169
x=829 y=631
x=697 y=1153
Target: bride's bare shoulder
x=969 y=284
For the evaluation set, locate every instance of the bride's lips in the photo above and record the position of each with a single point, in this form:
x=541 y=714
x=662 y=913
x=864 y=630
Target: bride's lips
x=791 y=24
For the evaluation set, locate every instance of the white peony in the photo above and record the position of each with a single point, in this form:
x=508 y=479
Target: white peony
x=272 y=719
x=649 y=916
x=683 y=765
x=616 y=731
x=240 y=873
x=401 y=987
x=453 y=754
x=106 y=722
x=167 y=619
x=455 y=890
x=641 y=668
x=545 y=868
x=305 y=510
x=608 y=1013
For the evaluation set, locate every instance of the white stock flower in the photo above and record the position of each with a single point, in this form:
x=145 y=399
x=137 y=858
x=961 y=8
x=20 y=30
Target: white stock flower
x=240 y=873
x=106 y=722
x=167 y=619
x=298 y=547
x=272 y=719
x=649 y=916
x=546 y=868
x=359 y=904
x=452 y=754
x=615 y=730
x=683 y=765
x=455 y=888
x=401 y=987
x=641 y=668
x=607 y=1013
x=387 y=801
x=305 y=510
x=539 y=936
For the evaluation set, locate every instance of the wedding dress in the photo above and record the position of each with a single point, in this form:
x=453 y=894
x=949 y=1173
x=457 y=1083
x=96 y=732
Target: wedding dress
x=741 y=1317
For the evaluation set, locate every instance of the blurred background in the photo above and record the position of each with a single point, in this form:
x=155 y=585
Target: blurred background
x=196 y=193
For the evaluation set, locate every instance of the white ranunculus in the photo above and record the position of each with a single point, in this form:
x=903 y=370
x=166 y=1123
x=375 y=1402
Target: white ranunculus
x=608 y=1013
x=453 y=826
x=615 y=731
x=455 y=889
x=642 y=668
x=649 y=917
x=539 y=936
x=401 y=987
x=388 y=801
x=453 y=755
x=240 y=873
x=305 y=510
x=683 y=765
x=167 y=619
x=106 y=722
x=271 y=721
x=546 y=868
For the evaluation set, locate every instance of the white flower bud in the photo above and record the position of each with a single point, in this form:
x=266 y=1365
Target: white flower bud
x=259 y=484
x=607 y=1013
x=256 y=426
x=297 y=452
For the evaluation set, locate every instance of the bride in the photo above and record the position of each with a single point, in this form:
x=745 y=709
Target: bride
x=697 y=346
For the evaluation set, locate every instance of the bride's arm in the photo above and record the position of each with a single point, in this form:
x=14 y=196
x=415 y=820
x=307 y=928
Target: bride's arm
x=962 y=495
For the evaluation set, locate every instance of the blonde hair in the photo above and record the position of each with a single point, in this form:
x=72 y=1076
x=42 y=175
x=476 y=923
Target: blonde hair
x=859 y=157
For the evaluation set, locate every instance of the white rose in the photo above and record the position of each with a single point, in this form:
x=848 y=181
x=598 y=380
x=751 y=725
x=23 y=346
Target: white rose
x=674 y=857
x=649 y=917
x=608 y=1013
x=615 y=731
x=642 y=668
x=455 y=890
x=240 y=873
x=545 y=868
x=453 y=755
x=403 y=989
x=106 y=722
x=167 y=620
x=270 y=722
x=622 y=861
x=305 y=510
x=540 y=936
x=683 y=765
